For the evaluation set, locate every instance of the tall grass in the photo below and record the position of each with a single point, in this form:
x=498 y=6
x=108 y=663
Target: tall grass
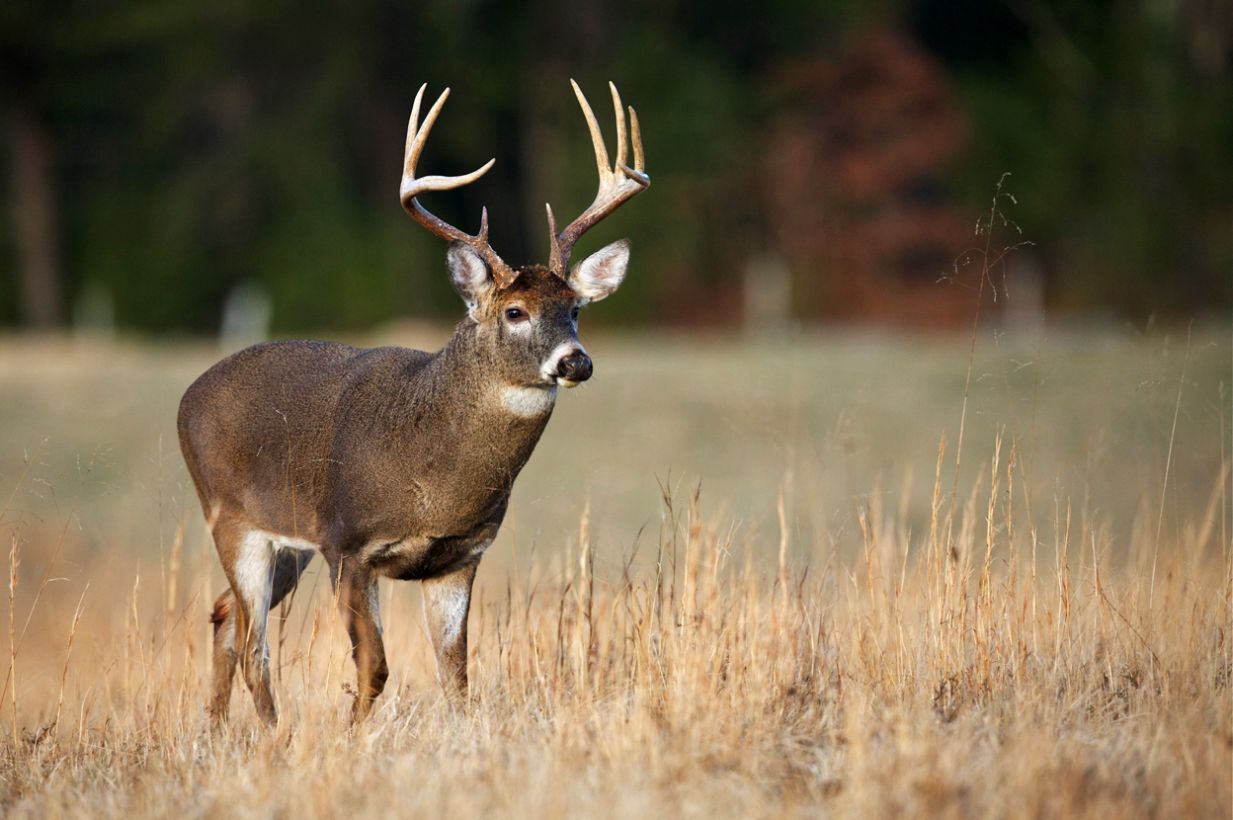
x=1004 y=665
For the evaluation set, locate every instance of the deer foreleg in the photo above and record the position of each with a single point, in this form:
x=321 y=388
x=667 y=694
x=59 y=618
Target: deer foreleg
x=361 y=613
x=447 y=600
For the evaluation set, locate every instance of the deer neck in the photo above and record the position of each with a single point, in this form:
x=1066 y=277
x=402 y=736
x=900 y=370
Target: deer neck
x=464 y=378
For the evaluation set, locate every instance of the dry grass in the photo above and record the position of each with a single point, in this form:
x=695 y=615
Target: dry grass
x=990 y=641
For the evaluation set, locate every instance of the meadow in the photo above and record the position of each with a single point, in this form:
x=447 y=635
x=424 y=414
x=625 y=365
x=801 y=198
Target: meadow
x=851 y=573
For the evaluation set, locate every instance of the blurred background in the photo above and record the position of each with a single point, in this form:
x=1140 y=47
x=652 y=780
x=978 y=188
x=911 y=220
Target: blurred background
x=798 y=323
x=172 y=167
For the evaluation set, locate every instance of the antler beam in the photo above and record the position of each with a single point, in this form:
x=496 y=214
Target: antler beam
x=412 y=187
x=617 y=183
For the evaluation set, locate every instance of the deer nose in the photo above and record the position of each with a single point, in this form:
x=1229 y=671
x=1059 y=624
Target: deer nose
x=575 y=367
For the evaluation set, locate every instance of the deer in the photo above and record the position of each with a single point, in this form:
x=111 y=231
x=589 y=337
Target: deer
x=392 y=462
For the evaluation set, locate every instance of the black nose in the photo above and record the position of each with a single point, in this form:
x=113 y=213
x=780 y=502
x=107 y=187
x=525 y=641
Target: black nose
x=576 y=367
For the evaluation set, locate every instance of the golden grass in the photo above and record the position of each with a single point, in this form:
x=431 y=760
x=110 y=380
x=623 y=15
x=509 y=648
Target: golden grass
x=1009 y=653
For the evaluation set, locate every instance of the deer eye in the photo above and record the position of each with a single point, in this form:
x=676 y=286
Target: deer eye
x=515 y=314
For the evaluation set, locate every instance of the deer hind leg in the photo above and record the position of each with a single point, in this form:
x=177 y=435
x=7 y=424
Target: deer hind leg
x=358 y=604
x=248 y=560
x=447 y=600
x=289 y=565
x=223 y=618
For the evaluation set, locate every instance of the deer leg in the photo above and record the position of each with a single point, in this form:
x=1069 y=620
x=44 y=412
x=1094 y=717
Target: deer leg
x=223 y=616
x=447 y=600
x=289 y=564
x=356 y=588
x=248 y=559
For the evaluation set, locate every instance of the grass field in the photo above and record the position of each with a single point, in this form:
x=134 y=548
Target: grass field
x=739 y=578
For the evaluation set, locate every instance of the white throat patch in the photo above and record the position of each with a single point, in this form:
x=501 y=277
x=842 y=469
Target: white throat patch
x=528 y=402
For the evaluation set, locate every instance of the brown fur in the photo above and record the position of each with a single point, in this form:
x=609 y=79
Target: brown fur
x=222 y=609
x=395 y=462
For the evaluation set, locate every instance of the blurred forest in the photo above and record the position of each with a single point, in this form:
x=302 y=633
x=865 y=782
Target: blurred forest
x=810 y=160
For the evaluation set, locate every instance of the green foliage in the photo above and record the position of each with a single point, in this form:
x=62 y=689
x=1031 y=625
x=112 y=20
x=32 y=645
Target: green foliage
x=1119 y=143
x=199 y=146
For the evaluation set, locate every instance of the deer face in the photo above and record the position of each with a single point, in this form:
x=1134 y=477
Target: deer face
x=528 y=317
x=530 y=326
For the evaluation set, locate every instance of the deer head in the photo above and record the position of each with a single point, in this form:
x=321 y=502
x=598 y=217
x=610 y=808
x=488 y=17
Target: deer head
x=527 y=316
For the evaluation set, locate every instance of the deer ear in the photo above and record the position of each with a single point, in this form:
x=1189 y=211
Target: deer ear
x=601 y=273
x=468 y=273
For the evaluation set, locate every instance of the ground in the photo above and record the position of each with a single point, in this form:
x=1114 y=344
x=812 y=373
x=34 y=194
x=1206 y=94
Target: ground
x=814 y=573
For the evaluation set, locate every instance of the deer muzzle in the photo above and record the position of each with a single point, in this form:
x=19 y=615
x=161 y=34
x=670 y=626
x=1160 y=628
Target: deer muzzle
x=573 y=368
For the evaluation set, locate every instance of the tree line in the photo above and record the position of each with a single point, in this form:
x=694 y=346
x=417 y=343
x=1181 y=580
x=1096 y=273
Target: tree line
x=159 y=156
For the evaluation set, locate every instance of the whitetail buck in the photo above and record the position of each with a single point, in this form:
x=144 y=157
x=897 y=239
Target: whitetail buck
x=388 y=461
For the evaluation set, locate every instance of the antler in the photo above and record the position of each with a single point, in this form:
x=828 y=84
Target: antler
x=412 y=188
x=616 y=184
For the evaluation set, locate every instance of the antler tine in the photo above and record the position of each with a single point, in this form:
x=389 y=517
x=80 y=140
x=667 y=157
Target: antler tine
x=617 y=183
x=597 y=139
x=411 y=187
x=636 y=132
x=416 y=136
x=413 y=126
x=555 y=262
x=421 y=134
x=619 y=112
x=552 y=222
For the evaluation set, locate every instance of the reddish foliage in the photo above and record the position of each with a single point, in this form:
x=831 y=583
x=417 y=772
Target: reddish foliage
x=854 y=184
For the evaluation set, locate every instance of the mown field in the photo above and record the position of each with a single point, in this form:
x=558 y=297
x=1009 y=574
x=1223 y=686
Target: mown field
x=824 y=573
